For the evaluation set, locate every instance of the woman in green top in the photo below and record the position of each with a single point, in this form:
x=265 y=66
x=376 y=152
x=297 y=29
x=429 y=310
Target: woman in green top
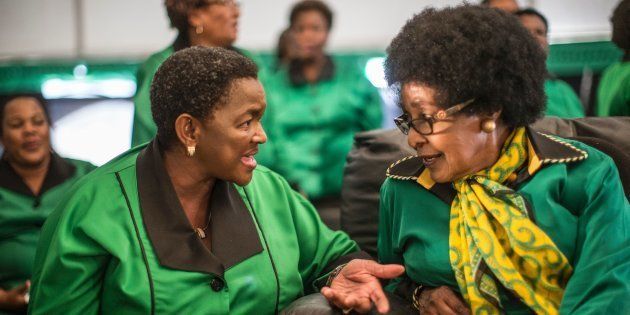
x=316 y=105
x=208 y=23
x=32 y=181
x=490 y=216
x=561 y=99
x=613 y=93
x=188 y=224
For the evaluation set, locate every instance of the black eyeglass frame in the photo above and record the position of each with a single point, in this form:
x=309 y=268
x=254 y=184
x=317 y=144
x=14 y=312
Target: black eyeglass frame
x=404 y=123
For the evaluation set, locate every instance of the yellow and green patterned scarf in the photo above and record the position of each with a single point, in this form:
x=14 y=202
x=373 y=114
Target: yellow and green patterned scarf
x=493 y=239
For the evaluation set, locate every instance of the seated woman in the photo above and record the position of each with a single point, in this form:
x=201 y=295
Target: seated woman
x=32 y=180
x=189 y=224
x=490 y=216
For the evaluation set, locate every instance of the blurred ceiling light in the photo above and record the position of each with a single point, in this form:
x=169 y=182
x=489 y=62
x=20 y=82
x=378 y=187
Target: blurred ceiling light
x=375 y=72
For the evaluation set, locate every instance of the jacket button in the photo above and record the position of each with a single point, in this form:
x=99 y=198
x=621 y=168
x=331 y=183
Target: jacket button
x=217 y=284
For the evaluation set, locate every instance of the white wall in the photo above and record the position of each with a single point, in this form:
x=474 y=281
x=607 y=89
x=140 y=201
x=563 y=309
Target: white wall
x=47 y=28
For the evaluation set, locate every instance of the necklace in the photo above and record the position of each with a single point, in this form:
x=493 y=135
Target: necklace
x=202 y=232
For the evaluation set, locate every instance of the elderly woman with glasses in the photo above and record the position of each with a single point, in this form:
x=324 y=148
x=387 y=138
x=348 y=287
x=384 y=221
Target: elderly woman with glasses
x=490 y=216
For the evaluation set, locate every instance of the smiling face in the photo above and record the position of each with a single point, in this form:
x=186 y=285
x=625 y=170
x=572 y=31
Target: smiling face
x=310 y=33
x=219 y=22
x=457 y=147
x=25 y=132
x=228 y=139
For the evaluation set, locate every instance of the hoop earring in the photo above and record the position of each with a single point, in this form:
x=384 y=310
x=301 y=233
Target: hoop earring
x=191 y=150
x=199 y=30
x=488 y=126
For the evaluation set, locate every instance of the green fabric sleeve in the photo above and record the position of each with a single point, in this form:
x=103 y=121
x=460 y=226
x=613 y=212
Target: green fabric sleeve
x=319 y=245
x=69 y=264
x=386 y=228
x=600 y=281
x=372 y=111
x=562 y=100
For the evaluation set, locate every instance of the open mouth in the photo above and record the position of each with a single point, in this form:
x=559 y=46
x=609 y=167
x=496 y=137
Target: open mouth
x=249 y=161
x=429 y=160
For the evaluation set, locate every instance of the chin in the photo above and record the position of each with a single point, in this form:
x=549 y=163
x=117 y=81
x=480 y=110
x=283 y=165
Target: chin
x=243 y=179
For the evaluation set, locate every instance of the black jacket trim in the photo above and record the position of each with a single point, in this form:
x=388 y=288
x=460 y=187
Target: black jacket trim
x=547 y=149
x=234 y=236
x=59 y=170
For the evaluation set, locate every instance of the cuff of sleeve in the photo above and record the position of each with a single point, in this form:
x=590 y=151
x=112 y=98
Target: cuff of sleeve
x=343 y=260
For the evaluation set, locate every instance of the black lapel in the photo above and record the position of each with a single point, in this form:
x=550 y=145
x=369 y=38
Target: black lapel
x=411 y=168
x=234 y=235
x=551 y=149
x=58 y=172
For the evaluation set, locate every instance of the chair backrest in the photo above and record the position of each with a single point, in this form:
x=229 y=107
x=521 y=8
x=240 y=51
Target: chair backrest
x=375 y=151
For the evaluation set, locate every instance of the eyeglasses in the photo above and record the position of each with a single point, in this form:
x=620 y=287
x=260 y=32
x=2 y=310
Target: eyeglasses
x=424 y=124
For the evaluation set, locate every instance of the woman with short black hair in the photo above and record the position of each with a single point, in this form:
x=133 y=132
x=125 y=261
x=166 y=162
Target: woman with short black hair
x=190 y=224
x=491 y=216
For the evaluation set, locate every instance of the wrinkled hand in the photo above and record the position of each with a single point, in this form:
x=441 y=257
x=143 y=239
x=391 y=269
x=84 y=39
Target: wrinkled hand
x=15 y=299
x=442 y=300
x=357 y=286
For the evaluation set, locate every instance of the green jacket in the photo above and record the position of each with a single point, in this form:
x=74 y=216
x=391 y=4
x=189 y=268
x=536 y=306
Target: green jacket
x=613 y=94
x=580 y=204
x=310 y=127
x=562 y=100
x=22 y=214
x=121 y=244
x=144 y=128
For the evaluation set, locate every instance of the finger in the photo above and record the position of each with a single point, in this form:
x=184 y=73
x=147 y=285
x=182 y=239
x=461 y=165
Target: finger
x=332 y=296
x=380 y=300
x=443 y=308
x=20 y=289
x=361 y=305
x=455 y=302
x=384 y=271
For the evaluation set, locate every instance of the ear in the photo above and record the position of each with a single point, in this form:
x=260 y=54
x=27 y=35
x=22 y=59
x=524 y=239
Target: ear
x=195 y=18
x=188 y=129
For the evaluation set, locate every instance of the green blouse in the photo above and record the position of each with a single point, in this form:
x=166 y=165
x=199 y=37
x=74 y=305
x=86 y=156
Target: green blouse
x=613 y=94
x=121 y=244
x=562 y=100
x=580 y=204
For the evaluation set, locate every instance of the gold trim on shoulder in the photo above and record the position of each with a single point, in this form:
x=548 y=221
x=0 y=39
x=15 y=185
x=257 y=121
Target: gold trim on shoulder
x=398 y=177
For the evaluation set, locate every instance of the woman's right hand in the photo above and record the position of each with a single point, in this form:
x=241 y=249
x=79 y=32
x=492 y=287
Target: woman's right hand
x=15 y=299
x=441 y=300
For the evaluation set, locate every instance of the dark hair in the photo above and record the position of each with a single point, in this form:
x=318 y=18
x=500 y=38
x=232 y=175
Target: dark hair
x=311 y=5
x=196 y=81
x=472 y=52
x=5 y=99
x=282 y=48
x=534 y=12
x=178 y=10
x=621 y=25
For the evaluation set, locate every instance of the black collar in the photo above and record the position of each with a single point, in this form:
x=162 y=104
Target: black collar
x=232 y=230
x=544 y=150
x=296 y=73
x=58 y=172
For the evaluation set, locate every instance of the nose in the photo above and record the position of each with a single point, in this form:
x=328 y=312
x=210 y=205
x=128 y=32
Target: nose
x=415 y=139
x=261 y=135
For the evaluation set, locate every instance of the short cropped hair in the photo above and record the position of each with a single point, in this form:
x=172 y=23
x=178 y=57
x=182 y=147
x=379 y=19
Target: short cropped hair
x=472 y=52
x=195 y=80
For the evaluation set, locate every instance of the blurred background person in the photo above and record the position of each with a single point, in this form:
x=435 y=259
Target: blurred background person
x=561 y=99
x=285 y=49
x=316 y=105
x=32 y=181
x=209 y=23
x=613 y=95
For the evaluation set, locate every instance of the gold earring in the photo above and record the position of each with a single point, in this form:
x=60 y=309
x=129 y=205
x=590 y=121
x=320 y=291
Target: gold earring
x=488 y=126
x=191 y=150
x=199 y=29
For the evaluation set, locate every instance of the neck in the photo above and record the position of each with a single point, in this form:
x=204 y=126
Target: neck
x=198 y=40
x=313 y=68
x=33 y=175
x=193 y=189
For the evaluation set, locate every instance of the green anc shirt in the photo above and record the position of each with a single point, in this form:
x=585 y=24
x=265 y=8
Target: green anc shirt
x=580 y=205
x=613 y=93
x=310 y=127
x=119 y=243
x=23 y=213
x=562 y=100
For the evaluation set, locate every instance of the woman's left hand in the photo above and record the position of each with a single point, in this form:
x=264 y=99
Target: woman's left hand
x=357 y=286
